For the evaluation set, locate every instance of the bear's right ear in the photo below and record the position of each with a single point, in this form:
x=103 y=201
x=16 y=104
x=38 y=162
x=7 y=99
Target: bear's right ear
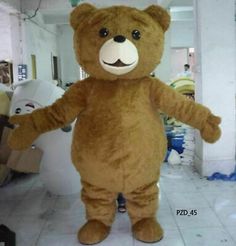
x=160 y=15
x=79 y=13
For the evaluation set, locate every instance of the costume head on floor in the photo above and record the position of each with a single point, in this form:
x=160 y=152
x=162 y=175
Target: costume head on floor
x=28 y=96
x=119 y=141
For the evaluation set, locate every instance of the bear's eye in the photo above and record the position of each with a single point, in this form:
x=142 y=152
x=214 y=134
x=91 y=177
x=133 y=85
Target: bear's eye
x=103 y=32
x=17 y=111
x=136 y=34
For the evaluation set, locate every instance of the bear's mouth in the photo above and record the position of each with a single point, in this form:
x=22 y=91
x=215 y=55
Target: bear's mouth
x=31 y=105
x=118 y=63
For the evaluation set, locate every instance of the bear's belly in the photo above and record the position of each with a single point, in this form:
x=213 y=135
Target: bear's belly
x=120 y=152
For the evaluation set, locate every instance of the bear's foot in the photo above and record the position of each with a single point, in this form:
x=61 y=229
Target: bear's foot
x=93 y=232
x=147 y=230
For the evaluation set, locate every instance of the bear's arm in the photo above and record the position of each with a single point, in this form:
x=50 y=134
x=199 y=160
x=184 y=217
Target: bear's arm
x=63 y=110
x=178 y=106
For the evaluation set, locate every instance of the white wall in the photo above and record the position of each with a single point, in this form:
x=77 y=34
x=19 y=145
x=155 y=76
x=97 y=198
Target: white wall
x=215 y=81
x=19 y=39
x=39 y=40
x=163 y=70
x=69 y=65
x=10 y=39
x=5 y=40
x=16 y=46
x=179 y=57
x=182 y=33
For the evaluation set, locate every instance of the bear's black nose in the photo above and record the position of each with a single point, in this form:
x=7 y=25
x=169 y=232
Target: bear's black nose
x=119 y=39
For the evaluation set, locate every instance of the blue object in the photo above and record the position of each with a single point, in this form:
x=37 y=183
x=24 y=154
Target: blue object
x=177 y=144
x=220 y=176
x=232 y=177
x=175 y=141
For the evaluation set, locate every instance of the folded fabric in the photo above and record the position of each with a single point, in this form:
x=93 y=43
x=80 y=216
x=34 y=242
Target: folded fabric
x=221 y=176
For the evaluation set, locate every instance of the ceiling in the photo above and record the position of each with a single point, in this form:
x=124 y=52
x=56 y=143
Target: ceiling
x=57 y=12
x=60 y=15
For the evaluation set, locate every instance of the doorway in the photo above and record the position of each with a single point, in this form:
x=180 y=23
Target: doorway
x=34 y=66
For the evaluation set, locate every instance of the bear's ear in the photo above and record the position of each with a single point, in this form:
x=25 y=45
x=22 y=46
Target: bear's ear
x=160 y=15
x=80 y=13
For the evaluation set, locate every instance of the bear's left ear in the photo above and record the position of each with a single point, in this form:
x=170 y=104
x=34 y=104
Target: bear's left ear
x=80 y=13
x=160 y=15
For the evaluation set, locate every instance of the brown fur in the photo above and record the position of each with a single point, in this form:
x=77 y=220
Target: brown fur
x=119 y=141
x=86 y=234
x=121 y=20
x=148 y=230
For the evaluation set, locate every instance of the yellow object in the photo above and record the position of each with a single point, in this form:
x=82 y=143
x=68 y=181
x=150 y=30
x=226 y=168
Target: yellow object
x=34 y=66
x=183 y=85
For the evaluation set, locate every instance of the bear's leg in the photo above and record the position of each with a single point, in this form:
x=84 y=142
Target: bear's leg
x=142 y=205
x=100 y=211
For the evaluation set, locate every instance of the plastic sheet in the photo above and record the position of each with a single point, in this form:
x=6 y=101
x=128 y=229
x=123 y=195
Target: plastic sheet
x=220 y=176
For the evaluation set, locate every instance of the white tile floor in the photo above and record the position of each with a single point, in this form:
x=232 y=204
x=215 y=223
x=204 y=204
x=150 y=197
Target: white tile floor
x=42 y=219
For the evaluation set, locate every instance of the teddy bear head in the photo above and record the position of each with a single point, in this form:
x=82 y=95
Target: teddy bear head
x=119 y=42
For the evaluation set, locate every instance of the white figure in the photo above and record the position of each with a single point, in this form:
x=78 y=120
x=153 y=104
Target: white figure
x=187 y=72
x=56 y=169
x=174 y=158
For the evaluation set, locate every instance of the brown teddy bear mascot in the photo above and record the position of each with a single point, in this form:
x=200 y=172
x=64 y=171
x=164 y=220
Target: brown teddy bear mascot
x=119 y=141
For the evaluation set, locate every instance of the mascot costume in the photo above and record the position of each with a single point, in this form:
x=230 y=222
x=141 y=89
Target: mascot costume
x=119 y=141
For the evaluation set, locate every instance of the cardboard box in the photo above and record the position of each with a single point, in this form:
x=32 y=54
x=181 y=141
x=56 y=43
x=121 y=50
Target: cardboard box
x=26 y=161
x=5 y=150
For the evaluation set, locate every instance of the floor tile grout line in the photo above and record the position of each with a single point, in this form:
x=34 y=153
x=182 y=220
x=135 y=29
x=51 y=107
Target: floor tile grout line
x=173 y=215
x=18 y=202
x=213 y=210
x=209 y=206
x=40 y=233
x=224 y=227
x=234 y=240
x=44 y=224
x=172 y=212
